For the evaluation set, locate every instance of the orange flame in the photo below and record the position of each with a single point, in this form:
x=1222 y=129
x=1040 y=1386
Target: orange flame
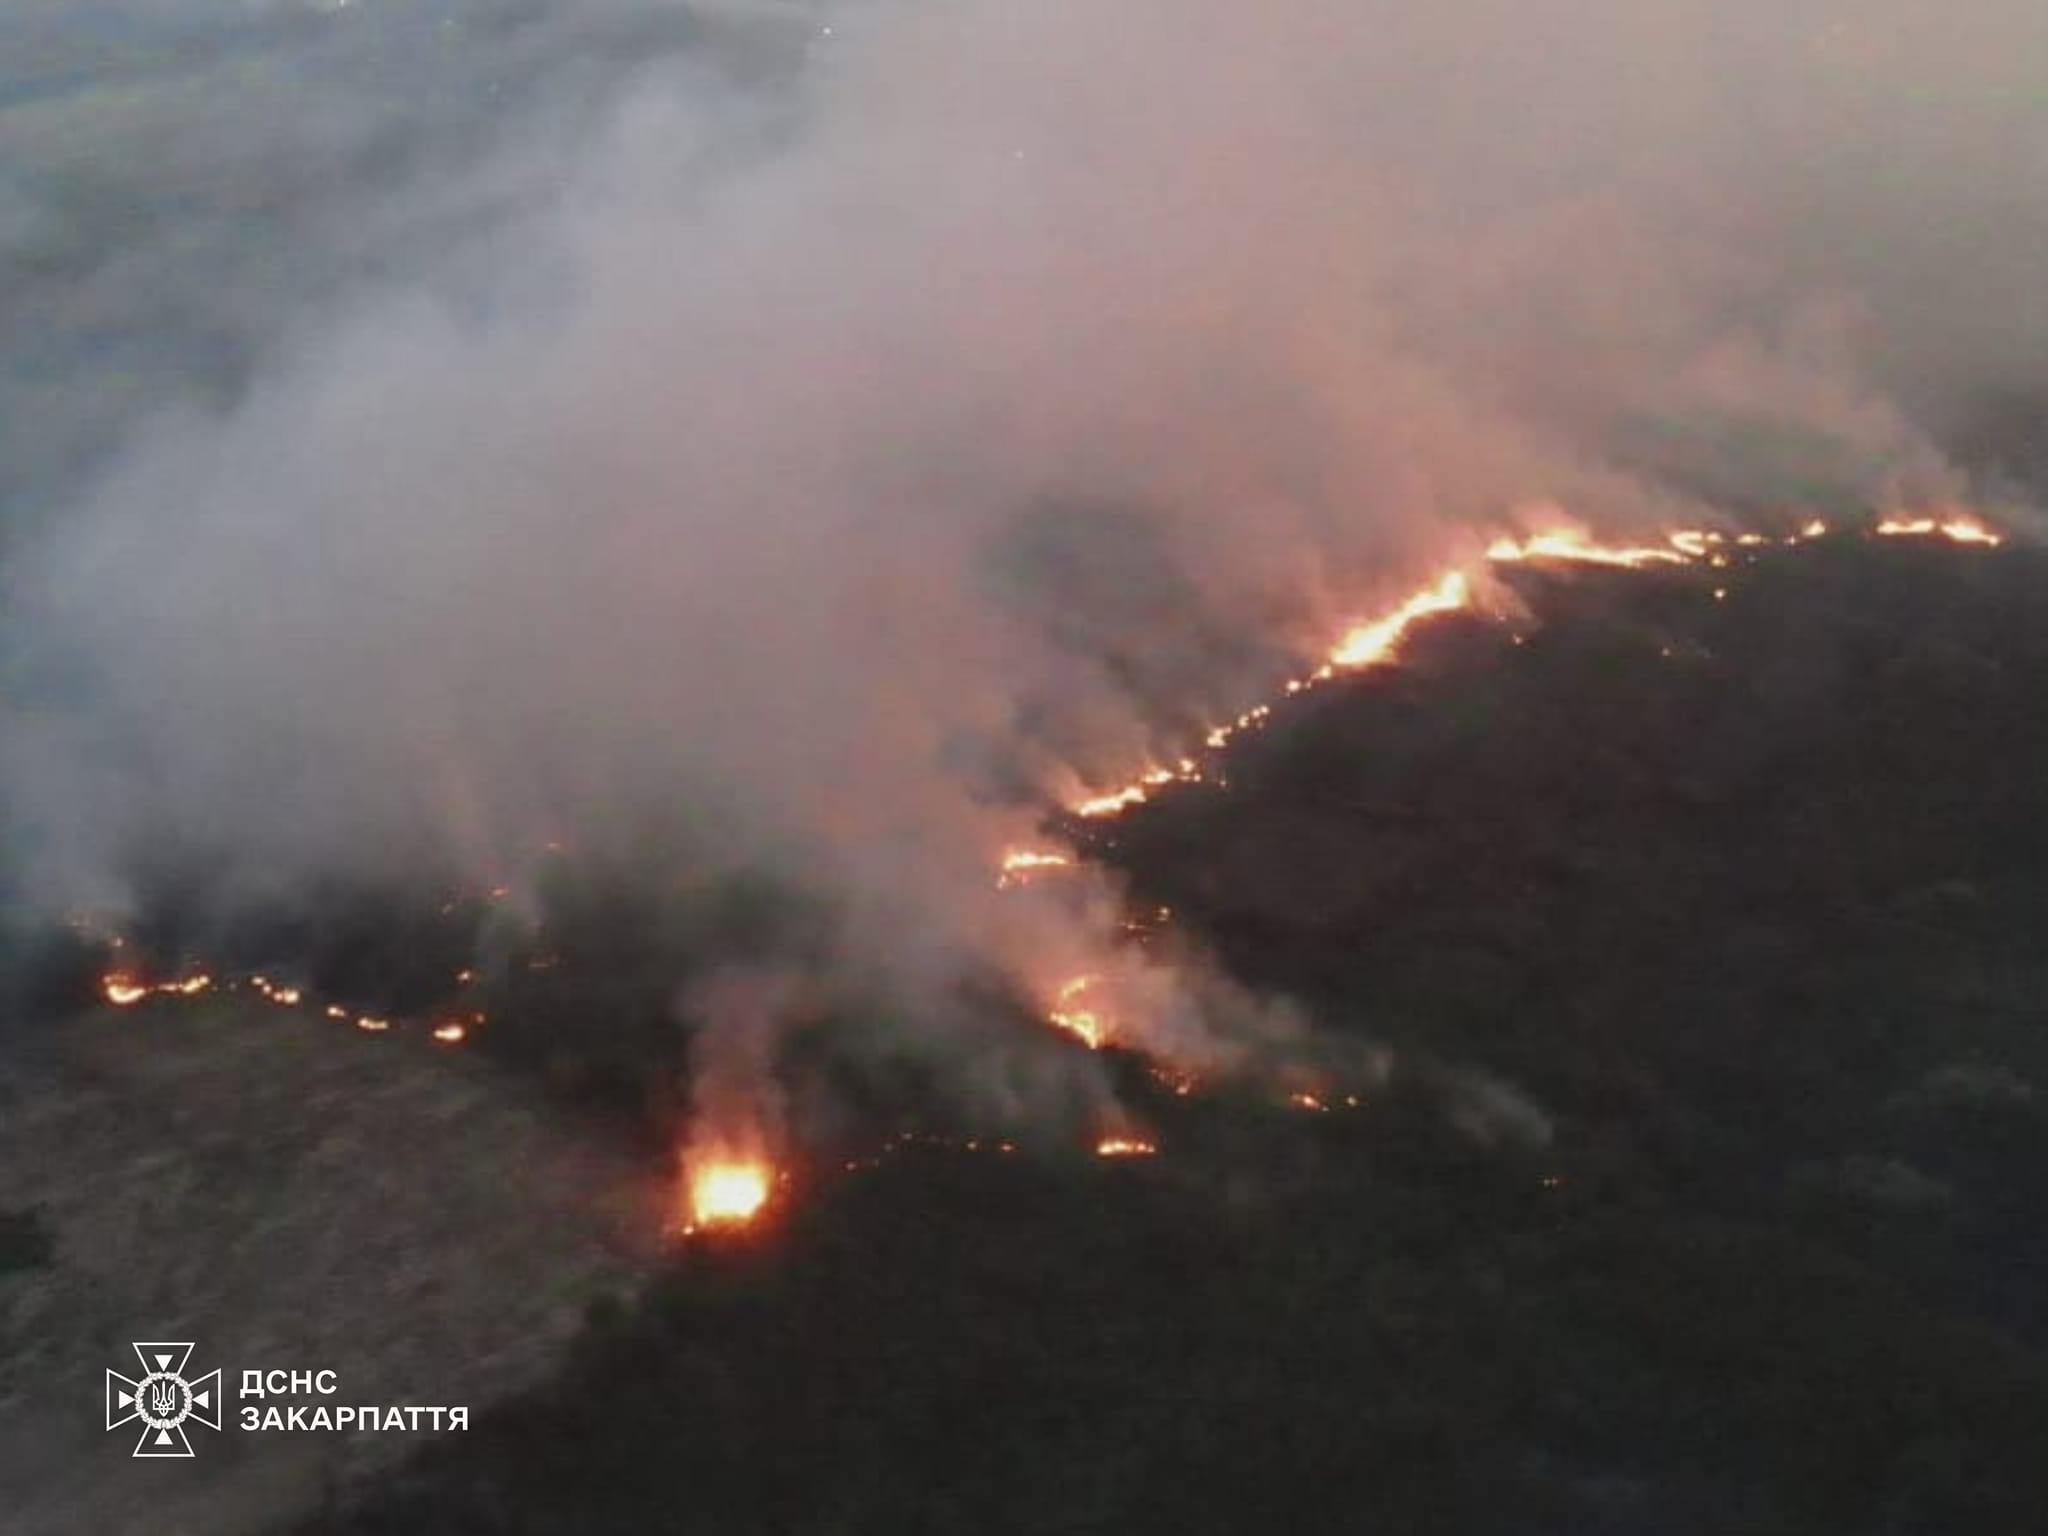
x=124 y=991
x=1370 y=645
x=1084 y=1024
x=1020 y=864
x=1125 y=1146
x=1576 y=545
x=1958 y=529
x=728 y=1192
x=1378 y=641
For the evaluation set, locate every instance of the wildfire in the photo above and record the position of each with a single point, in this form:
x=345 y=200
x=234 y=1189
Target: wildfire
x=1084 y=1024
x=125 y=991
x=1960 y=529
x=1365 y=645
x=284 y=997
x=1370 y=645
x=728 y=1193
x=731 y=1189
x=1139 y=790
x=1575 y=545
x=1378 y=641
x=1020 y=864
x=1125 y=1146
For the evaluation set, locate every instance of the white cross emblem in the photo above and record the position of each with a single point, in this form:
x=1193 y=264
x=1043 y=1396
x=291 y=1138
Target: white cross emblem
x=163 y=1399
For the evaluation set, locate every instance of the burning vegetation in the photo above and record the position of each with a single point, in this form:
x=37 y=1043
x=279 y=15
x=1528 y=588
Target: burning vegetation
x=726 y=1193
x=1482 y=1088
x=720 y=1190
x=1690 y=1038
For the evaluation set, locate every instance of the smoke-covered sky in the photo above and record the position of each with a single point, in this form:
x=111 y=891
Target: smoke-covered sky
x=443 y=428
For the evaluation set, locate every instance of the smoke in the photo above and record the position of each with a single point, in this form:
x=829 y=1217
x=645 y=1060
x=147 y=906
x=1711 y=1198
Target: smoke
x=854 y=465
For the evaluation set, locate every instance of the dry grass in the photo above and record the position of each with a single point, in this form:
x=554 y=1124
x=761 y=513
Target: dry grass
x=287 y=1194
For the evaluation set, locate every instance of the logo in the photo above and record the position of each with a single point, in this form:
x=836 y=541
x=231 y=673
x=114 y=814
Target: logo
x=163 y=1399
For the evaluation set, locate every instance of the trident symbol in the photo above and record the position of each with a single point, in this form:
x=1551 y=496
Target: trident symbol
x=164 y=1399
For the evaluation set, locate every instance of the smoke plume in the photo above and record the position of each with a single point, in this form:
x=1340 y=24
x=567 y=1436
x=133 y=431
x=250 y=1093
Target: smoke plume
x=853 y=463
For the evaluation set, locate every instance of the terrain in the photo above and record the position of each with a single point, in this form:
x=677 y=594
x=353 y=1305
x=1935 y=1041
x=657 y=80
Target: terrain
x=1694 y=1187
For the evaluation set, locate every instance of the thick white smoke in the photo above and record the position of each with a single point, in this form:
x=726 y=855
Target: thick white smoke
x=772 y=481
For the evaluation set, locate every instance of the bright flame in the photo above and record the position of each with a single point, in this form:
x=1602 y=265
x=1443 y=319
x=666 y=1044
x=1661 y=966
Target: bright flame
x=1573 y=544
x=1084 y=1024
x=1369 y=645
x=450 y=1034
x=1379 y=641
x=1959 y=529
x=1020 y=864
x=1124 y=1146
x=728 y=1194
x=125 y=991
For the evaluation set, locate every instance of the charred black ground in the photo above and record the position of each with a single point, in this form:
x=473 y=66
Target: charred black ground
x=1746 y=893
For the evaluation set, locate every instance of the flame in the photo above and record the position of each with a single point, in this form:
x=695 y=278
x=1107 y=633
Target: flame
x=1370 y=645
x=124 y=991
x=1959 y=529
x=728 y=1192
x=1125 y=1146
x=1365 y=645
x=1378 y=641
x=1084 y=1024
x=1020 y=864
x=1576 y=545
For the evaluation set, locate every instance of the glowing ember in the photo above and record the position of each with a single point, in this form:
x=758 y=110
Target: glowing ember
x=1124 y=1146
x=728 y=1194
x=450 y=1034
